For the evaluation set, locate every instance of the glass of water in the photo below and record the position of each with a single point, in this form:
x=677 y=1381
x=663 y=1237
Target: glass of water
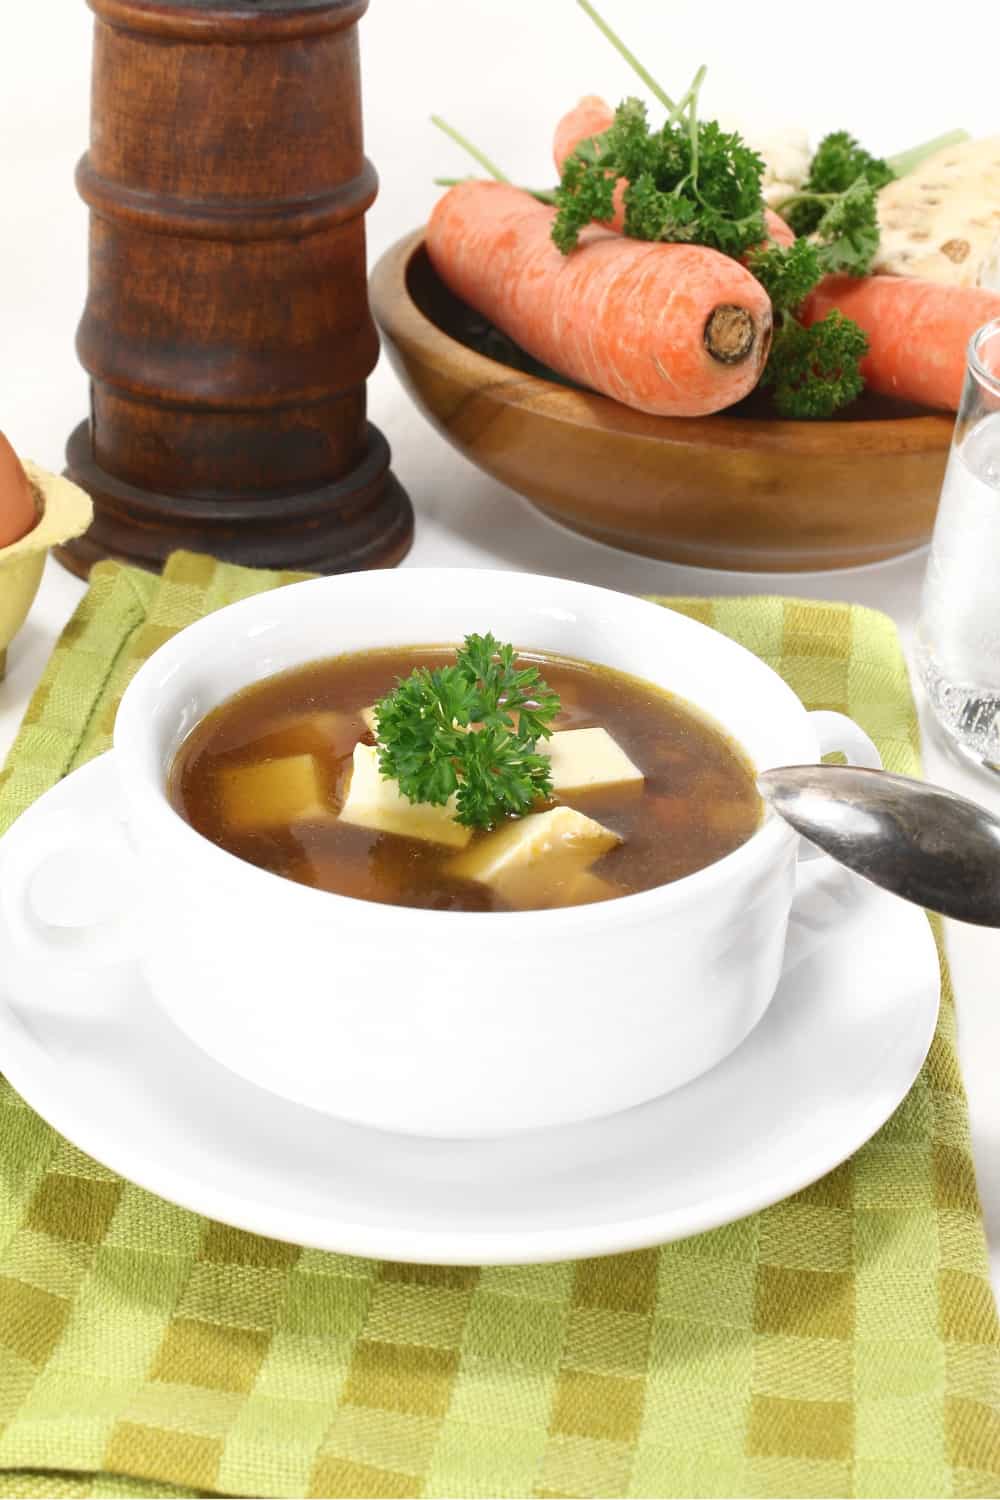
x=958 y=638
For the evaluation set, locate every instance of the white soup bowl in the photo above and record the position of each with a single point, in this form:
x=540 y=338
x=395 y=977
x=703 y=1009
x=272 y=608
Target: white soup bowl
x=445 y=1023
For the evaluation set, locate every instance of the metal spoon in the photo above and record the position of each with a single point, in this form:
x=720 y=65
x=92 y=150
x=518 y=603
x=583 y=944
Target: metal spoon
x=920 y=842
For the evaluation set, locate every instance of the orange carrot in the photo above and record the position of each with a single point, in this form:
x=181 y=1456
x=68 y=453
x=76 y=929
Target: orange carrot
x=918 y=331
x=778 y=232
x=678 y=330
x=591 y=117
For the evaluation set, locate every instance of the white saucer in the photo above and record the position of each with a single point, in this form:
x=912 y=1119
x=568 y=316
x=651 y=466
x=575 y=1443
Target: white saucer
x=836 y=1052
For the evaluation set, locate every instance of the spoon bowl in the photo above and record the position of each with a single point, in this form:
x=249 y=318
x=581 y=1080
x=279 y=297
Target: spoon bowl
x=921 y=842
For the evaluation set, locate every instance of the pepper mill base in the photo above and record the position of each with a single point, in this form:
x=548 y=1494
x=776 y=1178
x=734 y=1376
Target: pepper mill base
x=363 y=520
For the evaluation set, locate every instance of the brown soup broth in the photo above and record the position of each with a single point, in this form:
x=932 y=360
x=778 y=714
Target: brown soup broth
x=698 y=801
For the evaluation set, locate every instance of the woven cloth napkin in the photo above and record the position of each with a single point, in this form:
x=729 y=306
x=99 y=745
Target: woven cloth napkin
x=842 y=1343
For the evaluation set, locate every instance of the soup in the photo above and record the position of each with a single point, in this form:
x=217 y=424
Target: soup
x=285 y=775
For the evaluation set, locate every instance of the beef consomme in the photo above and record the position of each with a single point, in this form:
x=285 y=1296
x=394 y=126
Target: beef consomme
x=286 y=775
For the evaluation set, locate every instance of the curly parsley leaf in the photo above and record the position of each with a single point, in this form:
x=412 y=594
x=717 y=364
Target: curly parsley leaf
x=501 y=773
x=840 y=160
x=584 y=195
x=689 y=181
x=839 y=166
x=787 y=274
x=471 y=729
x=419 y=729
x=653 y=215
x=848 y=234
x=811 y=372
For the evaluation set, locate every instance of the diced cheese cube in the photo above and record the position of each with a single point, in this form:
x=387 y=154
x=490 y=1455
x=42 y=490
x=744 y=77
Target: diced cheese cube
x=535 y=860
x=374 y=802
x=273 y=793
x=584 y=760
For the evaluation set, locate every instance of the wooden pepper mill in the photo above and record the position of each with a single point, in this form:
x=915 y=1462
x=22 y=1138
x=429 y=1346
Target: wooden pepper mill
x=227 y=331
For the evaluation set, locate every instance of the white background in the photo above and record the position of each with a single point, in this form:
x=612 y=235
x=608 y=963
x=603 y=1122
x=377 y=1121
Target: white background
x=503 y=71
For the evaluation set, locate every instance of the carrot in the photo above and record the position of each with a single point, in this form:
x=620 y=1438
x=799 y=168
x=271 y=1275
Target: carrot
x=918 y=331
x=591 y=117
x=588 y=118
x=677 y=330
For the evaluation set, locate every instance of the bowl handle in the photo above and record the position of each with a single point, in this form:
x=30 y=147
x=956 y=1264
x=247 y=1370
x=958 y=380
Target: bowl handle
x=837 y=732
x=48 y=836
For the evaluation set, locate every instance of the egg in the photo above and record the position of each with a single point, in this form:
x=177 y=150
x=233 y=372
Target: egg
x=18 y=512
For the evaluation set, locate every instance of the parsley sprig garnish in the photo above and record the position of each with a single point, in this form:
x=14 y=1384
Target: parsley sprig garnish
x=811 y=372
x=841 y=169
x=690 y=181
x=470 y=729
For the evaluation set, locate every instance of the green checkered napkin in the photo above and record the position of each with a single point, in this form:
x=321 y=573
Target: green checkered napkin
x=844 y=1342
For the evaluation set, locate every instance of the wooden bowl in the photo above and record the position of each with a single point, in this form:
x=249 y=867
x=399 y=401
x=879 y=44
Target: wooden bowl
x=740 y=490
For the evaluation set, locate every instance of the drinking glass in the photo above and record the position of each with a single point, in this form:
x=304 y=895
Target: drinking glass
x=958 y=637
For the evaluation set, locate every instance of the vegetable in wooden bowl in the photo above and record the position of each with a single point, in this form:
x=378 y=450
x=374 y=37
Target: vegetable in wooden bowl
x=741 y=490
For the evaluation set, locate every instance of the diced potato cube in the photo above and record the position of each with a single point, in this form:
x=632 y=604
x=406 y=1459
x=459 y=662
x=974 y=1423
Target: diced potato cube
x=584 y=760
x=273 y=793
x=374 y=802
x=534 y=861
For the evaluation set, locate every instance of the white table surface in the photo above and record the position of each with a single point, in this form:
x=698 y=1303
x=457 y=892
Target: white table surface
x=503 y=70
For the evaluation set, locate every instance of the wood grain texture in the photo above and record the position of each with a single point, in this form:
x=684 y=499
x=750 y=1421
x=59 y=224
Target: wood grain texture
x=227 y=331
x=734 y=491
